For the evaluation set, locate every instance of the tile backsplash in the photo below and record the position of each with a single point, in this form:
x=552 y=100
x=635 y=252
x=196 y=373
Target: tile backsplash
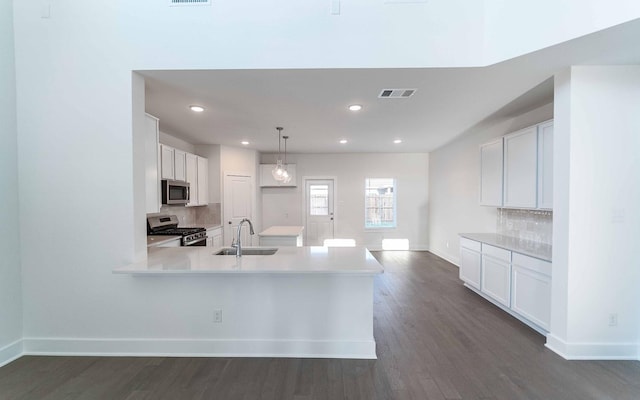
x=195 y=216
x=534 y=225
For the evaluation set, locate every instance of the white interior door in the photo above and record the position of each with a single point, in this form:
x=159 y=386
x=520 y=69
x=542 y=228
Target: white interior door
x=319 y=211
x=237 y=204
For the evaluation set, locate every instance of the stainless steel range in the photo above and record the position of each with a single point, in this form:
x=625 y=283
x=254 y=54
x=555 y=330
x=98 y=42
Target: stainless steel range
x=168 y=225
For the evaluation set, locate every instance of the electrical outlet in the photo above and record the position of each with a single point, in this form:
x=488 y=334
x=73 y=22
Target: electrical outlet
x=447 y=244
x=217 y=316
x=613 y=319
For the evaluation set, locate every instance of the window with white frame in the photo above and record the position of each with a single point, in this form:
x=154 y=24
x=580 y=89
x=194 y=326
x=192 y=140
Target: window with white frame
x=380 y=203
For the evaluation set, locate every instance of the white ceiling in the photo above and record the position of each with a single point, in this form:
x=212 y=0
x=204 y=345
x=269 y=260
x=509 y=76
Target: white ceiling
x=311 y=104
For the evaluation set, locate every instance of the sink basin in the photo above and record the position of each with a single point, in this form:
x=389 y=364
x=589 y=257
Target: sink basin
x=248 y=251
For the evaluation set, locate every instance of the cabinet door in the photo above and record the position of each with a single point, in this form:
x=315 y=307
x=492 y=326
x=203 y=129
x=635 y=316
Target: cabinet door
x=203 y=181
x=545 y=165
x=151 y=164
x=470 y=267
x=192 y=178
x=521 y=169
x=180 y=161
x=532 y=295
x=167 y=162
x=491 y=174
x=496 y=279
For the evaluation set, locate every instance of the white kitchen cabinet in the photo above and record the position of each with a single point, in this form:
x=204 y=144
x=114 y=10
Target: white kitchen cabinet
x=151 y=164
x=520 y=169
x=172 y=243
x=531 y=289
x=491 y=174
x=167 y=162
x=203 y=180
x=470 y=262
x=266 y=178
x=180 y=162
x=519 y=284
x=545 y=165
x=214 y=237
x=191 y=173
x=496 y=274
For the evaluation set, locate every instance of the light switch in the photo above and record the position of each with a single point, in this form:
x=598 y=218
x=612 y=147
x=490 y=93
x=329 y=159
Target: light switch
x=45 y=11
x=335 y=7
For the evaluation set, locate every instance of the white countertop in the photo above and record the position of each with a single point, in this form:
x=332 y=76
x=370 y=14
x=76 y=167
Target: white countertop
x=526 y=247
x=288 y=260
x=282 y=231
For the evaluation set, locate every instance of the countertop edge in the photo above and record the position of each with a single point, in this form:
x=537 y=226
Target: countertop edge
x=473 y=236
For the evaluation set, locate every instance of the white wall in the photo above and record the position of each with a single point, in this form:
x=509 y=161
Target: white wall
x=596 y=263
x=283 y=206
x=513 y=28
x=75 y=118
x=10 y=278
x=177 y=143
x=454 y=173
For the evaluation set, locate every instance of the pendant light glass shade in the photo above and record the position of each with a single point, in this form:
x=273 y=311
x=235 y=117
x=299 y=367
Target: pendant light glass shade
x=286 y=178
x=279 y=170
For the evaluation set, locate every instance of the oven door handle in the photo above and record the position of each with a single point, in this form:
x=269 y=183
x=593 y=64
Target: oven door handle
x=198 y=242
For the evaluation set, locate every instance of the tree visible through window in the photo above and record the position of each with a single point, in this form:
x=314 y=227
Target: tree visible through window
x=380 y=203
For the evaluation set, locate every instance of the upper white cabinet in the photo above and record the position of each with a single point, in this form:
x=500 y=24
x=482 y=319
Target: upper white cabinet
x=266 y=178
x=545 y=165
x=516 y=170
x=180 y=161
x=203 y=181
x=191 y=171
x=491 y=173
x=167 y=163
x=182 y=166
x=151 y=162
x=520 y=169
x=197 y=173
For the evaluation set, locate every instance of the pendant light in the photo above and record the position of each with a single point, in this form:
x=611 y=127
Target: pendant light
x=286 y=177
x=279 y=170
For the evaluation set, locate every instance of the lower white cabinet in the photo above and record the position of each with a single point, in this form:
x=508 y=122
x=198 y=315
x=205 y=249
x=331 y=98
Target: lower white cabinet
x=214 y=237
x=173 y=243
x=496 y=279
x=519 y=283
x=470 y=262
x=531 y=281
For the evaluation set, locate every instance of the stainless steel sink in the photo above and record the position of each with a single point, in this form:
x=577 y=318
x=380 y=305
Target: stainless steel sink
x=248 y=251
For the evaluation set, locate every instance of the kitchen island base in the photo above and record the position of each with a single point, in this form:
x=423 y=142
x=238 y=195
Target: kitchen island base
x=323 y=308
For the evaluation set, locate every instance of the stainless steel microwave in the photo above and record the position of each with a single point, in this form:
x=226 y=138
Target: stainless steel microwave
x=175 y=192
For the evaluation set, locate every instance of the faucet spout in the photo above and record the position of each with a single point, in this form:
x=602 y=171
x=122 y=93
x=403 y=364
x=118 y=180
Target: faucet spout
x=238 y=240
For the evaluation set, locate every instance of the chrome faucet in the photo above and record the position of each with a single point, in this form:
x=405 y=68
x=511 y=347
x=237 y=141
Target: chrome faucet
x=237 y=243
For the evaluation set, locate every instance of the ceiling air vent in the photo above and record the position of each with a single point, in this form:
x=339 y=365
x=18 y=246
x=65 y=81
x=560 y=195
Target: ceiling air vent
x=179 y=3
x=396 y=93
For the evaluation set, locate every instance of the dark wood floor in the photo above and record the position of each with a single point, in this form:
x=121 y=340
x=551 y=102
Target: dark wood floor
x=436 y=340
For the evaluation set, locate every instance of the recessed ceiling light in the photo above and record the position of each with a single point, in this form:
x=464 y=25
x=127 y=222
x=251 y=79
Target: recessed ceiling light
x=195 y=108
x=355 y=107
x=244 y=142
x=343 y=141
x=397 y=141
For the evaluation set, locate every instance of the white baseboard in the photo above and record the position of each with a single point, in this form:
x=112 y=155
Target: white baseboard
x=593 y=351
x=11 y=352
x=201 y=348
x=443 y=256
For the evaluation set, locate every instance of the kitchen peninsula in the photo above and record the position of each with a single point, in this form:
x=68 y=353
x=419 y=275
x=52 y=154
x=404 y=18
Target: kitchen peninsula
x=299 y=302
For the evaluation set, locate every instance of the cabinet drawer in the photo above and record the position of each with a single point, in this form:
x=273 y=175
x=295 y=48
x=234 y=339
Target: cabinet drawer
x=496 y=252
x=534 y=264
x=470 y=244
